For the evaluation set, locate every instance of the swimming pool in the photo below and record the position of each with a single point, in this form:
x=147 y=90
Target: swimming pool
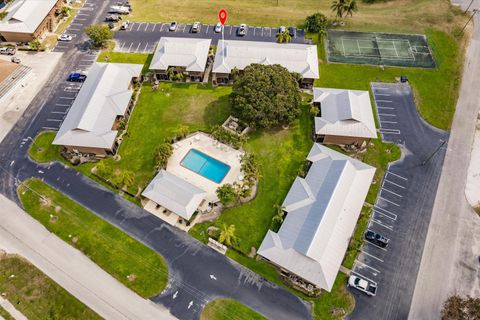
x=205 y=165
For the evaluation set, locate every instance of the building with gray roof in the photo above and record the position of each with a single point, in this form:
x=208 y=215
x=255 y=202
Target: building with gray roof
x=322 y=210
x=104 y=99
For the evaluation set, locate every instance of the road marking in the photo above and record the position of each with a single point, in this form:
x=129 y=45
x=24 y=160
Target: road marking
x=175 y=295
x=387 y=114
x=397 y=175
x=231 y=27
x=131 y=26
x=69 y=98
x=385 y=215
x=394 y=193
x=382 y=224
x=139 y=25
x=391 y=122
x=389 y=201
x=371 y=255
x=389 y=131
x=154 y=26
x=73 y=29
x=62 y=105
x=375 y=207
x=190 y=305
x=59 y=112
x=121 y=47
x=138 y=46
x=395 y=184
x=363 y=277
x=130 y=48
x=373 y=244
x=366 y=265
x=386 y=108
x=383 y=100
x=146 y=45
x=146 y=27
x=49 y=128
x=54 y=120
x=208 y=26
x=213 y=277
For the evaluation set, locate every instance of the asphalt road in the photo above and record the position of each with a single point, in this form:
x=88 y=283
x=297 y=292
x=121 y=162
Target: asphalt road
x=403 y=208
x=141 y=37
x=198 y=274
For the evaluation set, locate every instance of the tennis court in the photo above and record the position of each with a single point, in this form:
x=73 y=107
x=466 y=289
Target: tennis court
x=390 y=49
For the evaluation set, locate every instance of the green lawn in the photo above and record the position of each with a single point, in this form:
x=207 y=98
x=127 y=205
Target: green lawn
x=129 y=261
x=227 y=309
x=42 y=150
x=37 y=296
x=5 y=315
x=280 y=154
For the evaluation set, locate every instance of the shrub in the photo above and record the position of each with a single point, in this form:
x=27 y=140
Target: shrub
x=227 y=194
x=162 y=154
x=316 y=22
x=227 y=136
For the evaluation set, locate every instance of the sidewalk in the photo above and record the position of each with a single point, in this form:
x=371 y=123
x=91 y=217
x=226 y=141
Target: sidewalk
x=21 y=234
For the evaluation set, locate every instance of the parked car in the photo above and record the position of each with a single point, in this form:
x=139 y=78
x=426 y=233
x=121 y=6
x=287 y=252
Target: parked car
x=113 y=17
x=76 y=77
x=358 y=283
x=291 y=31
x=111 y=25
x=376 y=238
x=8 y=50
x=196 y=27
x=15 y=60
x=65 y=37
x=119 y=9
x=218 y=28
x=173 y=26
x=282 y=29
x=242 y=30
x=125 y=25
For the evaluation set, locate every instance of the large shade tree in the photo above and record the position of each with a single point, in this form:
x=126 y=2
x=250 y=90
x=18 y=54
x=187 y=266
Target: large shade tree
x=99 y=34
x=266 y=96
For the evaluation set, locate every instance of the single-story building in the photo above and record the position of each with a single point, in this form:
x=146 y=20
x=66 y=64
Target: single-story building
x=344 y=116
x=12 y=76
x=91 y=125
x=322 y=210
x=180 y=55
x=29 y=19
x=235 y=54
x=177 y=197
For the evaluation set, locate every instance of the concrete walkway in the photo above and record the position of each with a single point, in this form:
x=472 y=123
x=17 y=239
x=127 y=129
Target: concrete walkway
x=21 y=234
x=17 y=315
x=450 y=259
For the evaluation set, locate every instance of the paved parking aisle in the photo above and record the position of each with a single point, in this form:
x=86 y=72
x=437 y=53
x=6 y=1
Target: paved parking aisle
x=403 y=207
x=142 y=37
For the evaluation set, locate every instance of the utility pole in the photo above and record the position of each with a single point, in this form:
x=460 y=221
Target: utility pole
x=471 y=17
x=424 y=162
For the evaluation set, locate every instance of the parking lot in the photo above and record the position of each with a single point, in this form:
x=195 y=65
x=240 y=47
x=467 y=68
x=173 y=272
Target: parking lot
x=141 y=37
x=403 y=207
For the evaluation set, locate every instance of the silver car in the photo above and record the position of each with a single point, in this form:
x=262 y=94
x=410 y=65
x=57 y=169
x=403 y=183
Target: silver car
x=242 y=30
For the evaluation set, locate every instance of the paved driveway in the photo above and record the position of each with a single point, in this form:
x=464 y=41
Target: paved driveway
x=403 y=207
x=142 y=37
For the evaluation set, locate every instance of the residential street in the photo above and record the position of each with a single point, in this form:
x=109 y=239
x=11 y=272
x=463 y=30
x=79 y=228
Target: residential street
x=450 y=263
x=21 y=234
x=403 y=207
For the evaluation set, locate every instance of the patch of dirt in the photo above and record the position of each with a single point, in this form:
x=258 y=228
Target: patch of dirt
x=75 y=239
x=53 y=219
x=132 y=277
x=45 y=202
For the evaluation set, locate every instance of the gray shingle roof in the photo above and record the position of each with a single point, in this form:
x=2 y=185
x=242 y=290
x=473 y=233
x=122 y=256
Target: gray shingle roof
x=174 y=193
x=104 y=96
x=322 y=211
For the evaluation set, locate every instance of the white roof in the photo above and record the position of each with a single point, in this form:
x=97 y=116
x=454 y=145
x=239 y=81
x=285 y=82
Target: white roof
x=24 y=16
x=175 y=194
x=104 y=96
x=181 y=52
x=322 y=211
x=301 y=58
x=344 y=113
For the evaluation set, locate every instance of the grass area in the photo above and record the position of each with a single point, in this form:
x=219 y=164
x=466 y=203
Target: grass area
x=357 y=239
x=42 y=150
x=129 y=261
x=108 y=55
x=37 y=296
x=5 y=315
x=436 y=90
x=226 y=309
x=280 y=154
x=398 y=15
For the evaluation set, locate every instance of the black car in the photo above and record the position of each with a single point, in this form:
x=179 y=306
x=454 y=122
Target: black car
x=291 y=31
x=111 y=25
x=376 y=238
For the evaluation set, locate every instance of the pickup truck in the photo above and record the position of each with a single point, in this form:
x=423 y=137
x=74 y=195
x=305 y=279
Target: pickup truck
x=358 y=283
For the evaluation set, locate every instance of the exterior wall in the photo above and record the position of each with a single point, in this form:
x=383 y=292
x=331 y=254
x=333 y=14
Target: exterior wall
x=162 y=74
x=338 y=140
x=97 y=151
x=48 y=25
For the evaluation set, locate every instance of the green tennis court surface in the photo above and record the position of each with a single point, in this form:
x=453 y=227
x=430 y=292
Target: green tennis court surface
x=390 y=49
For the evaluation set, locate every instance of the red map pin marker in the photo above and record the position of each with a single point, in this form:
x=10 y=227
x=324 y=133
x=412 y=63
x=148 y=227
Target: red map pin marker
x=222 y=16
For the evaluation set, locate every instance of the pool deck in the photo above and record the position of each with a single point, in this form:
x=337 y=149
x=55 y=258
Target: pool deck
x=211 y=147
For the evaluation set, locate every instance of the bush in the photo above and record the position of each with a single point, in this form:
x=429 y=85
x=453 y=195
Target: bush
x=227 y=194
x=162 y=154
x=459 y=308
x=316 y=22
x=227 y=136
x=249 y=165
x=266 y=96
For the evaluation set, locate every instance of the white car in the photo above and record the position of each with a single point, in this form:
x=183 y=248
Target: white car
x=218 y=28
x=65 y=37
x=358 y=283
x=125 y=25
x=173 y=26
x=196 y=27
x=242 y=30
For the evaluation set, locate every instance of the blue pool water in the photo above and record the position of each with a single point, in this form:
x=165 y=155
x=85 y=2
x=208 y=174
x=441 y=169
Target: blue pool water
x=205 y=165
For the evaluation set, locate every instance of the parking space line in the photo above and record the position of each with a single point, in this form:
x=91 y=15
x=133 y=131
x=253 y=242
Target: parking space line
x=146 y=45
x=371 y=255
x=139 y=25
x=394 y=193
x=154 y=26
x=385 y=215
x=389 y=201
x=391 y=122
x=231 y=27
x=73 y=29
x=54 y=120
x=384 y=210
x=208 y=26
x=389 y=131
x=63 y=105
x=138 y=46
x=387 y=108
x=130 y=48
x=381 y=88
x=362 y=276
x=397 y=175
x=381 y=224
x=146 y=27
x=395 y=184
x=366 y=265
x=121 y=47
x=384 y=101
x=131 y=26
x=382 y=94
x=374 y=245
x=69 y=98
x=59 y=112
x=50 y=128
x=387 y=114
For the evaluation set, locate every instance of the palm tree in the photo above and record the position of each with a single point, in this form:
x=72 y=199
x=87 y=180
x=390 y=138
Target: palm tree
x=322 y=35
x=284 y=37
x=339 y=7
x=351 y=7
x=227 y=234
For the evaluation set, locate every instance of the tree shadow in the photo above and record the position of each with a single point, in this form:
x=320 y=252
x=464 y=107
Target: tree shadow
x=217 y=111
